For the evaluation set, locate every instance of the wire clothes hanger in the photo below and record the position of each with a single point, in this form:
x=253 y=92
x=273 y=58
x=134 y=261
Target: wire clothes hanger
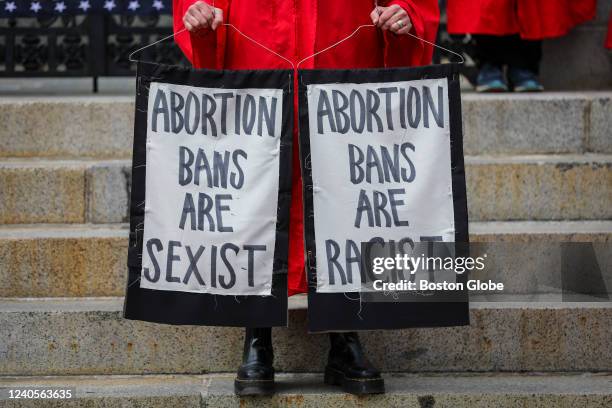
x=293 y=65
x=354 y=33
x=132 y=59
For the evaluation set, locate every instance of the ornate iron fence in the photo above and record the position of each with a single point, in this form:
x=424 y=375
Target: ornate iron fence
x=82 y=38
x=82 y=45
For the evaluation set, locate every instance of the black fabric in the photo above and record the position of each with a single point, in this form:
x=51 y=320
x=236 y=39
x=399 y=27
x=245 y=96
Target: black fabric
x=345 y=312
x=510 y=50
x=194 y=308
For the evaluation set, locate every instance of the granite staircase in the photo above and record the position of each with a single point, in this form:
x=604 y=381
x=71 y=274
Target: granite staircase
x=539 y=169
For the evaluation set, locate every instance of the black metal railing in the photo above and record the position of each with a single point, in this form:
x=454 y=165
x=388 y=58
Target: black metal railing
x=93 y=45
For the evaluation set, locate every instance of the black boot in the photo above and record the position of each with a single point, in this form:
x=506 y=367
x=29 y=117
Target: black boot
x=349 y=367
x=256 y=374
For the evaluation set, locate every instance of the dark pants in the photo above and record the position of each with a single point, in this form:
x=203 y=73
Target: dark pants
x=508 y=50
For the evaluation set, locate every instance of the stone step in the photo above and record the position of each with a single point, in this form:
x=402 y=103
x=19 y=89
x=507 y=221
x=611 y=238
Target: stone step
x=533 y=187
x=547 y=187
x=457 y=390
x=555 y=122
x=88 y=336
x=90 y=260
x=64 y=191
x=67 y=126
x=63 y=260
x=102 y=126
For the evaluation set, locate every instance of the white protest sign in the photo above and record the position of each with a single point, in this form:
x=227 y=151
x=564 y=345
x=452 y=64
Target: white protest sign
x=381 y=168
x=212 y=180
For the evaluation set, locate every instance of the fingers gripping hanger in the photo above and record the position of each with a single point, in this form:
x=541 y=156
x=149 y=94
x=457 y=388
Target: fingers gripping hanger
x=132 y=59
x=354 y=33
x=293 y=65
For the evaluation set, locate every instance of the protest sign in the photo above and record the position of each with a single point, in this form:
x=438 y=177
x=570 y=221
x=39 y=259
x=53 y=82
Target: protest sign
x=382 y=160
x=210 y=197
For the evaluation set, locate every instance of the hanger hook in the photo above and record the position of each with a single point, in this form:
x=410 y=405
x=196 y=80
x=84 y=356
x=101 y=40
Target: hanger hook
x=132 y=59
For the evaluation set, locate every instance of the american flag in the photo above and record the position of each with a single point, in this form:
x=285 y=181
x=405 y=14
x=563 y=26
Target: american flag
x=33 y=8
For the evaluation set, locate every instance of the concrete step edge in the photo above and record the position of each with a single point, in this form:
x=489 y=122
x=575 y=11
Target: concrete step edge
x=74 y=337
x=102 y=126
x=114 y=99
x=212 y=390
x=115 y=304
x=53 y=163
x=120 y=230
x=536 y=97
x=68 y=99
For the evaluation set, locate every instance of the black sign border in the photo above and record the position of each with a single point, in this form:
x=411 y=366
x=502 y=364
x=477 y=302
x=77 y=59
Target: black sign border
x=335 y=311
x=186 y=308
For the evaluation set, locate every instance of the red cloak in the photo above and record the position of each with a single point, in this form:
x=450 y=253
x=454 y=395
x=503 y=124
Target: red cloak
x=297 y=29
x=532 y=19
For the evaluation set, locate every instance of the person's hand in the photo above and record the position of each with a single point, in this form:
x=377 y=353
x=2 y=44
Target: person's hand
x=392 y=18
x=202 y=16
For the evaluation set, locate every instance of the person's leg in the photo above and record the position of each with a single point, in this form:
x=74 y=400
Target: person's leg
x=348 y=366
x=490 y=59
x=256 y=374
x=489 y=49
x=523 y=62
x=520 y=53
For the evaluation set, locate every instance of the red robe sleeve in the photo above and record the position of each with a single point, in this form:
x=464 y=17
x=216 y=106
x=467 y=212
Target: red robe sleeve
x=205 y=50
x=408 y=51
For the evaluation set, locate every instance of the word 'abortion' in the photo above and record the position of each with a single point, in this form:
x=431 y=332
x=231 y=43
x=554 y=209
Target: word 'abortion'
x=217 y=114
x=380 y=109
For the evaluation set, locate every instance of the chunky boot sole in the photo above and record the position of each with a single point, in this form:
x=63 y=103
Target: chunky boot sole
x=253 y=387
x=357 y=386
